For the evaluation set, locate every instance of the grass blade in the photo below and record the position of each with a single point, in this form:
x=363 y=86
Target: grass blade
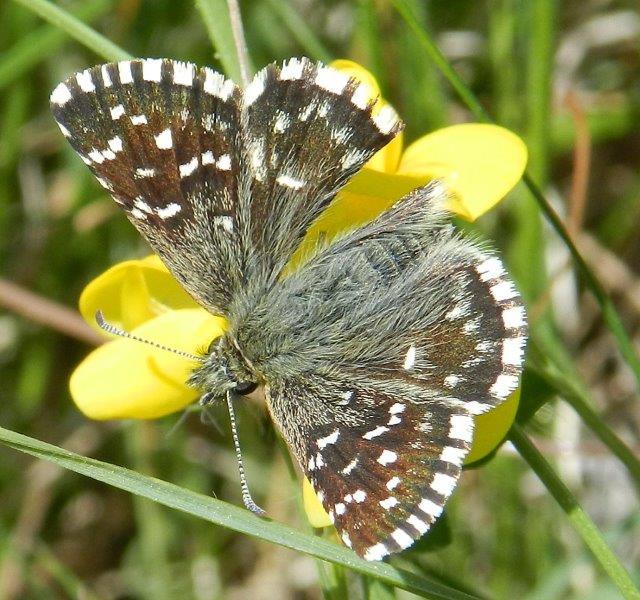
x=76 y=29
x=575 y=513
x=227 y=515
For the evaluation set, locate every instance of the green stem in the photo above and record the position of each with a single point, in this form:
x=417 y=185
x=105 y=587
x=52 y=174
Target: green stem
x=41 y=43
x=76 y=29
x=609 y=312
x=217 y=21
x=575 y=513
x=579 y=400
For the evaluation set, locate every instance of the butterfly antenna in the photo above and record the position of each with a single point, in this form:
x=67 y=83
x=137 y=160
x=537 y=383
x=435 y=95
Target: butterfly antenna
x=246 y=495
x=109 y=328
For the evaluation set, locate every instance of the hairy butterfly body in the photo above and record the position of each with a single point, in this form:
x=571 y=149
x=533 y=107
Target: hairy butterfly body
x=376 y=354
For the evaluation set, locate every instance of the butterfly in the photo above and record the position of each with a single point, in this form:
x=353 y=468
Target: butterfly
x=373 y=356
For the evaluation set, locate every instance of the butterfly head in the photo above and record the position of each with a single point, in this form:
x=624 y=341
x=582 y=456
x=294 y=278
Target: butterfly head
x=224 y=369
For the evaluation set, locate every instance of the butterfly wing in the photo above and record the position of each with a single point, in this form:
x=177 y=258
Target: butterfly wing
x=415 y=330
x=160 y=136
x=222 y=186
x=306 y=128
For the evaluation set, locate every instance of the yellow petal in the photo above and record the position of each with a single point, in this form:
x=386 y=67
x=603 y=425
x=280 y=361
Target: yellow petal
x=492 y=427
x=129 y=379
x=386 y=159
x=316 y=515
x=480 y=163
x=133 y=292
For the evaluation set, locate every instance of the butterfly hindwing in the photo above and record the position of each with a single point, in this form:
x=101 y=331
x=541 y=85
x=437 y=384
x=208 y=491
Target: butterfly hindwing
x=383 y=464
x=161 y=137
x=415 y=330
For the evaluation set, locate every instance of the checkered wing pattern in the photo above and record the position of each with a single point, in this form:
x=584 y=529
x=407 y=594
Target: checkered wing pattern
x=432 y=333
x=222 y=184
x=160 y=137
x=306 y=129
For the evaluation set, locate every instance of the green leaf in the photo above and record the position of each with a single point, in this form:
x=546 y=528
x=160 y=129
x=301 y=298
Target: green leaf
x=227 y=515
x=76 y=29
x=581 y=522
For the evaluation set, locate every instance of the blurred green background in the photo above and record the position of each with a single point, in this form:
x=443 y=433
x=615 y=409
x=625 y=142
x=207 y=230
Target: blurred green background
x=564 y=75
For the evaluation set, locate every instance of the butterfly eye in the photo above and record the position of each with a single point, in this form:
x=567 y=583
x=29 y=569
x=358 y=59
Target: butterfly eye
x=245 y=387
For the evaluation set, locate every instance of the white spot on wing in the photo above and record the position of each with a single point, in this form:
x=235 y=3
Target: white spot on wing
x=362 y=96
x=514 y=317
x=398 y=407
x=503 y=291
x=106 y=78
x=332 y=438
x=85 y=81
x=140 y=204
x=402 y=537
x=418 y=524
x=254 y=89
x=461 y=427
x=410 y=358
x=377 y=552
x=350 y=467
x=96 y=156
x=142 y=172
x=183 y=73
x=346 y=539
x=513 y=351
x=453 y=455
x=115 y=144
x=292 y=69
x=331 y=80
x=152 y=69
x=490 y=269
x=124 y=70
x=224 y=163
x=387 y=457
x=443 y=484
x=375 y=432
x=290 y=182
x=389 y=502
x=116 y=111
x=504 y=385
x=393 y=483
x=430 y=508
x=451 y=381
x=340 y=508
x=61 y=95
x=207 y=158
x=164 y=140
x=359 y=496
x=139 y=120
x=386 y=119
x=188 y=168
x=171 y=210
x=216 y=85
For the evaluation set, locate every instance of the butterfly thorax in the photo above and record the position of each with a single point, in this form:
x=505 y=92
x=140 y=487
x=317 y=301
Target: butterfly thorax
x=225 y=368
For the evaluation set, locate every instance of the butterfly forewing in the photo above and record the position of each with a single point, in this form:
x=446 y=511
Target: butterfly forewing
x=161 y=137
x=306 y=129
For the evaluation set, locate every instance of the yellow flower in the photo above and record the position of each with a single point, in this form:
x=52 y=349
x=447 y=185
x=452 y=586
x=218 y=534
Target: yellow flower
x=126 y=379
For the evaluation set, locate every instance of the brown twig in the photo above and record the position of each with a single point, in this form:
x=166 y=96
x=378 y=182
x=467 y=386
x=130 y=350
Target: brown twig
x=46 y=312
x=581 y=164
